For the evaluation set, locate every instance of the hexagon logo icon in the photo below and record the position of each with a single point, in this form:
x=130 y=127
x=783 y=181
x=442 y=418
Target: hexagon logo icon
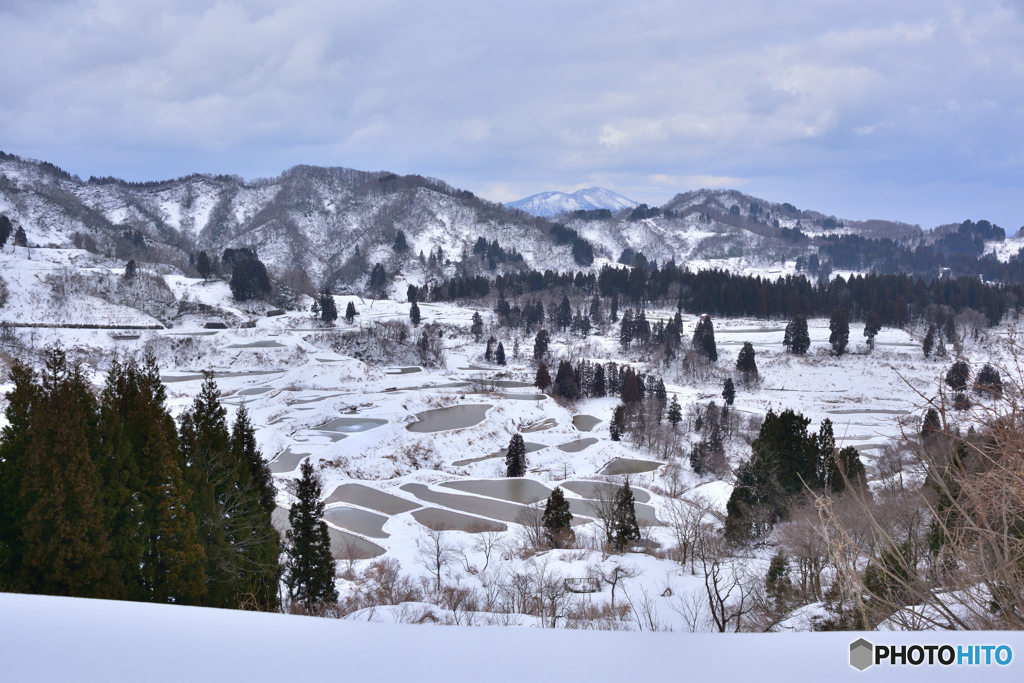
x=862 y=654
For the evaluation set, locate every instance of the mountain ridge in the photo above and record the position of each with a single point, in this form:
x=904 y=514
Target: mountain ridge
x=549 y=204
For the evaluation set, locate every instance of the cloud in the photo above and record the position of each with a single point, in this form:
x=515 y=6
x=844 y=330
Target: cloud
x=529 y=95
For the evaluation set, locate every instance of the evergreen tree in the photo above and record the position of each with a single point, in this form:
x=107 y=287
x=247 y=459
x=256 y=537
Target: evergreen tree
x=626 y=330
x=515 y=457
x=839 y=326
x=950 y=329
x=959 y=376
x=675 y=412
x=599 y=388
x=872 y=325
x=543 y=379
x=499 y=355
x=563 y=316
x=378 y=280
x=400 y=245
x=988 y=382
x=130 y=270
x=565 y=383
x=22 y=402
x=557 y=521
x=614 y=317
x=630 y=388
x=350 y=312
x=929 y=341
x=704 y=339
x=203 y=265
x=540 y=345
x=797 y=339
x=328 y=310
x=777 y=582
x=618 y=424
x=477 y=328
x=414 y=314
x=746 y=362
x=249 y=280
x=262 y=548
x=624 y=525
x=66 y=544
x=20 y=238
x=596 y=315
x=314 y=308
x=489 y=351
x=309 y=566
x=5 y=230
x=729 y=392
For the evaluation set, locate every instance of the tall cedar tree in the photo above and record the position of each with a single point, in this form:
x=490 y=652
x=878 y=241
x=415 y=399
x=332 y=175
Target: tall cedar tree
x=675 y=412
x=350 y=312
x=499 y=354
x=22 y=402
x=263 y=549
x=624 y=526
x=414 y=314
x=563 y=316
x=557 y=521
x=309 y=567
x=959 y=376
x=515 y=457
x=618 y=424
x=872 y=325
x=630 y=388
x=153 y=532
x=543 y=380
x=540 y=345
x=226 y=499
x=839 y=326
x=746 y=362
x=477 y=328
x=5 y=230
x=565 y=382
x=328 y=309
x=729 y=391
x=704 y=338
x=929 y=341
x=797 y=340
x=66 y=541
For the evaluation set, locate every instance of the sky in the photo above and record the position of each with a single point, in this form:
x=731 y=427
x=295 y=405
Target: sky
x=910 y=110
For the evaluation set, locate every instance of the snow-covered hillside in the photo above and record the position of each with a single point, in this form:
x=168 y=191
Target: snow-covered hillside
x=555 y=203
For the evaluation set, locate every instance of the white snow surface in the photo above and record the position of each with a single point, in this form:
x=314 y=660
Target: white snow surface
x=52 y=639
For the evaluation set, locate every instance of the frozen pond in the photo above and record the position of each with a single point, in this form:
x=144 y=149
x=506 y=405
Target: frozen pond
x=169 y=379
x=578 y=445
x=530 y=448
x=351 y=425
x=359 y=521
x=403 y=371
x=515 y=490
x=316 y=399
x=495 y=509
x=629 y=466
x=524 y=397
x=368 y=497
x=585 y=423
x=262 y=344
x=254 y=391
x=585 y=508
x=343 y=544
x=456 y=417
x=433 y=518
x=503 y=383
x=591 y=489
x=287 y=461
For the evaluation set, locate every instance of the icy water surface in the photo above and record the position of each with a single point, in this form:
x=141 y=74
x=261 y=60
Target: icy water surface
x=359 y=521
x=515 y=490
x=455 y=417
x=351 y=425
x=585 y=423
x=629 y=466
x=368 y=497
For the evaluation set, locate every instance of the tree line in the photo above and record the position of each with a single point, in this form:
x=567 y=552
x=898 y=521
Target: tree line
x=105 y=496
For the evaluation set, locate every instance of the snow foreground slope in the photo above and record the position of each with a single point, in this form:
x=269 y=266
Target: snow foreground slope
x=68 y=639
x=554 y=203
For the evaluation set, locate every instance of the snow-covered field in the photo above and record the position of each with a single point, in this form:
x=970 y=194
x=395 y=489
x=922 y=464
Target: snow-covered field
x=353 y=420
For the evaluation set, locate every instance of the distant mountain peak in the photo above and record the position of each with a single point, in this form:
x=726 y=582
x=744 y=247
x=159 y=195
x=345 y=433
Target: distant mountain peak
x=554 y=203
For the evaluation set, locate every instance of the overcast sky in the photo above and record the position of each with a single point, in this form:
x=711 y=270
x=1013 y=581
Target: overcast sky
x=909 y=110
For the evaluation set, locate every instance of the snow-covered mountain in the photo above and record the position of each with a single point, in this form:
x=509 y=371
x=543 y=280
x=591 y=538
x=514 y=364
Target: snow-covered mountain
x=553 y=203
